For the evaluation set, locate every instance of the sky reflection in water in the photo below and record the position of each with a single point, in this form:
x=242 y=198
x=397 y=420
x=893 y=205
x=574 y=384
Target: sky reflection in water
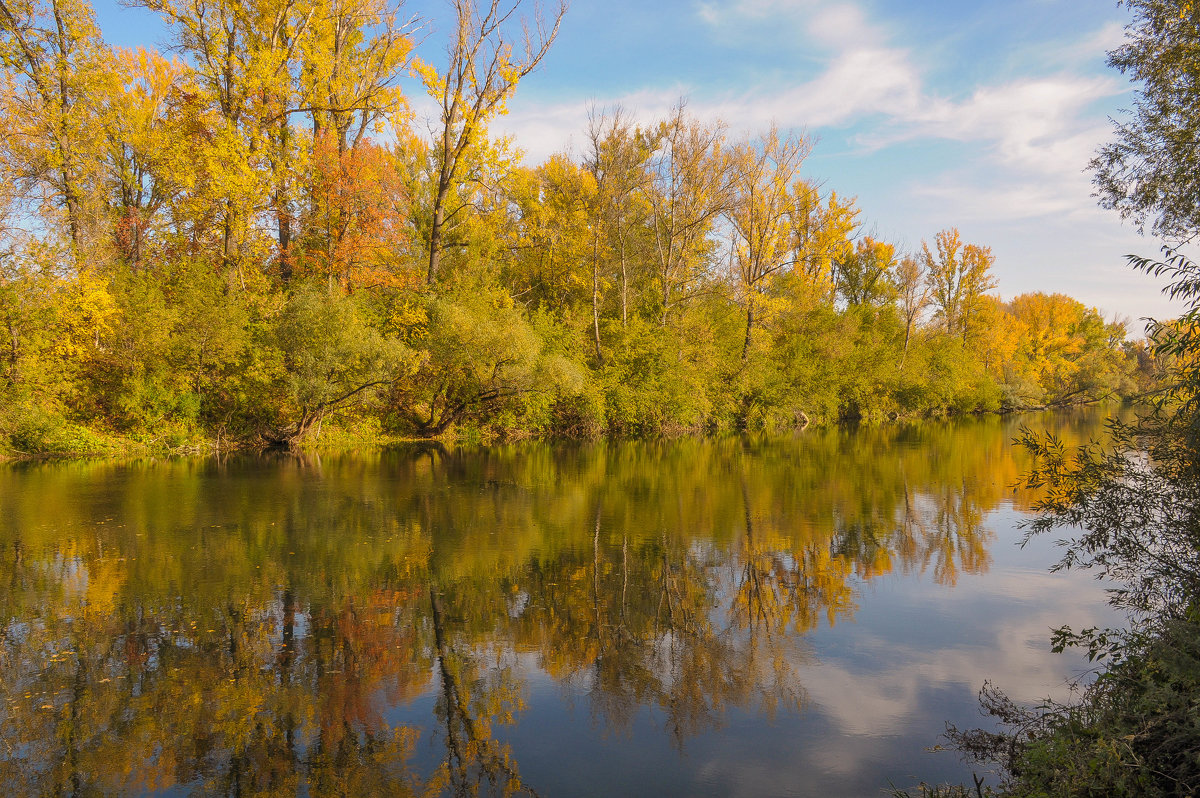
x=794 y=616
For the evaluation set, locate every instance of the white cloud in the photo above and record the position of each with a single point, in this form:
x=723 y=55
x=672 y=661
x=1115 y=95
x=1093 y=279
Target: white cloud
x=726 y=14
x=1089 y=47
x=833 y=25
x=1037 y=124
x=1033 y=128
x=860 y=82
x=843 y=26
x=541 y=130
x=1015 y=173
x=1017 y=201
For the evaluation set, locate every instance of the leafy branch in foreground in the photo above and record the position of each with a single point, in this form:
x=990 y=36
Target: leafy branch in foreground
x=1135 y=502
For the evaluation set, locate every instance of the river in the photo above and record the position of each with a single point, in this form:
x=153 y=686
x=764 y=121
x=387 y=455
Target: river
x=792 y=616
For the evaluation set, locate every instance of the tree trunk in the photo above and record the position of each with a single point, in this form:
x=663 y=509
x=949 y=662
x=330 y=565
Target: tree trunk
x=666 y=297
x=907 y=336
x=228 y=244
x=749 y=327
x=14 y=351
x=624 y=276
x=282 y=210
x=70 y=195
x=596 y=298
x=435 y=236
x=437 y=228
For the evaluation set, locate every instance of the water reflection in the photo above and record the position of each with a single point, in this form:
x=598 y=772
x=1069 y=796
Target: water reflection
x=267 y=626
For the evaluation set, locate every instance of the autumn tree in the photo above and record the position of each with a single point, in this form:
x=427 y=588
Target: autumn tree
x=245 y=57
x=553 y=246
x=822 y=232
x=485 y=61
x=617 y=156
x=349 y=67
x=865 y=274
x=760 y=211
x=1067 y=348
x=352 y=60
x=1000 y=335
x=912 y=296
x=56 y=69
x=162 y=217
x=957 y=277
x=355 y=221
x=690 y=187
x=145 y=160
x=48 y=323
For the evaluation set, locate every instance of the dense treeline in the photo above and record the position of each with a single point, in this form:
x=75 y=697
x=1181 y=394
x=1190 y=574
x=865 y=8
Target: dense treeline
x=250 y=242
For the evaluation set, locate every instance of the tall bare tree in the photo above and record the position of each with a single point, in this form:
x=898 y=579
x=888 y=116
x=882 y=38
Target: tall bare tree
x=689 y=192
x=617 y=157
x=487 y=58
x=912 y=296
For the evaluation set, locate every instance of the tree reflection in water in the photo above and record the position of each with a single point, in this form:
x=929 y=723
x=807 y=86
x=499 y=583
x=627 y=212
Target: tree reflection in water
x=250 y=626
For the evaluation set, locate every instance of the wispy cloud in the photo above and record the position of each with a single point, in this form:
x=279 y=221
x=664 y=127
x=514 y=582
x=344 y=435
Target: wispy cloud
x=1033 y=130
x=726 y=14
x=1037 y=123
x=1005 y=153
x=859 y=83
x=834 y=25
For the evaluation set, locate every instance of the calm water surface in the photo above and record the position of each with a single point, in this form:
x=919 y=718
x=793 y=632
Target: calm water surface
x=795 y=616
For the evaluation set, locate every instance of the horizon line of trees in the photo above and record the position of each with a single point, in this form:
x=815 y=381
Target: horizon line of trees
x=250 y=238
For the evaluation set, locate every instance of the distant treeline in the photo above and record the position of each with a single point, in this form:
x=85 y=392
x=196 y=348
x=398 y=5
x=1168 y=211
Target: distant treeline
x=250 y=243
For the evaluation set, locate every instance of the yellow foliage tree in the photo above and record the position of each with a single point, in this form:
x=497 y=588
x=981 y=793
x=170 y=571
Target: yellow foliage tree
x=481 y=75
x=56 y=72
x=762 y=206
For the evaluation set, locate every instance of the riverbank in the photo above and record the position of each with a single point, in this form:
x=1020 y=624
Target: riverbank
x=48 y=437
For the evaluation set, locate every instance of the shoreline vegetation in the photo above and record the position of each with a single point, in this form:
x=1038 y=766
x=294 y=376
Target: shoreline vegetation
x=1128 y=509
x=81 y=443
x=251 y=244
x=69 y=442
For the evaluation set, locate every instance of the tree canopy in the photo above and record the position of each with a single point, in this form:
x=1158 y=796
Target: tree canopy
x=255 y=242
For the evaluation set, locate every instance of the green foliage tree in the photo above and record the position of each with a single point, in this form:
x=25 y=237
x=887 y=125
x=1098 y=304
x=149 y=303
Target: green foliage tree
x=478 y=358
x=1148 y=173
x=331 y=356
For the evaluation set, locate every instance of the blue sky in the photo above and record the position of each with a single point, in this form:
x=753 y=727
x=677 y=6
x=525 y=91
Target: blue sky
x=977 y=115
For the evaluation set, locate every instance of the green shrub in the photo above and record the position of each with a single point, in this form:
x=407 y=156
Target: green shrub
x=33 y=431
